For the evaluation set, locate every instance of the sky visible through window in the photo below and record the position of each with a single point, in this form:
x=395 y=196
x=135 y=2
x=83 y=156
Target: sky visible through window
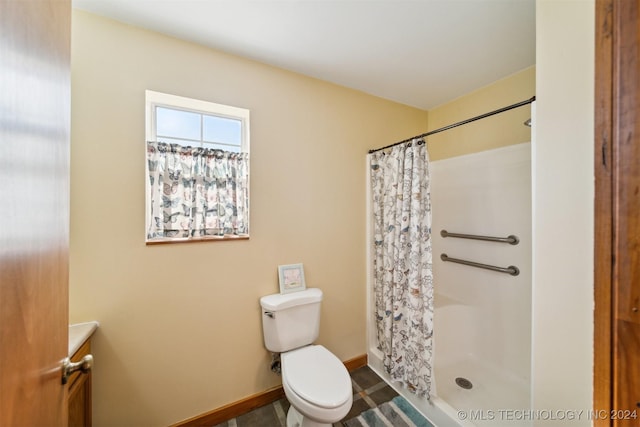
x=196 y=129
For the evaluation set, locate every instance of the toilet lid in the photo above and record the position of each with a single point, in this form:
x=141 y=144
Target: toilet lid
x=317 y=376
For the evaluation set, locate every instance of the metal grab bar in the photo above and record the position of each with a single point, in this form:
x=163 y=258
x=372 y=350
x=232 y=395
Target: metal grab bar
x=511 y=239
x=512 y=269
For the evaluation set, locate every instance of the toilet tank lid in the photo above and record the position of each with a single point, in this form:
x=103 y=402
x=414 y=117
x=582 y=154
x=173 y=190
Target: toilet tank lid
x=277 y=302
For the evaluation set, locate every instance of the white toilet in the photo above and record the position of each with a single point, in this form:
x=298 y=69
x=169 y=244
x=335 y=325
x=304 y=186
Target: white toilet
x=315 y=381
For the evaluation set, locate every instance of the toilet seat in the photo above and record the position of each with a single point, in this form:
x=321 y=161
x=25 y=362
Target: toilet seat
x=317 y=376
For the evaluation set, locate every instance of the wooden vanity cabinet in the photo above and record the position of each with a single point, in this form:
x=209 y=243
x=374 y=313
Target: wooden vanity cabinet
x=79 y=385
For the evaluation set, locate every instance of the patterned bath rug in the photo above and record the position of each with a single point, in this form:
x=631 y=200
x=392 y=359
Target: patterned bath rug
x=395 y=413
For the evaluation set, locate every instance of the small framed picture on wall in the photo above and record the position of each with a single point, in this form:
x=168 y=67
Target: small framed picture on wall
x=291 y=278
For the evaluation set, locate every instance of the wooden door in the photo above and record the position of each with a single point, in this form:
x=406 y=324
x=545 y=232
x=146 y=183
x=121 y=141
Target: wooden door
x=34 y=209
x=626 y=214
x=617 y=245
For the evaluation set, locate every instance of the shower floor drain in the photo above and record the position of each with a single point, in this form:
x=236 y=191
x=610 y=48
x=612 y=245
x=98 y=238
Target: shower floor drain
x=464 y=383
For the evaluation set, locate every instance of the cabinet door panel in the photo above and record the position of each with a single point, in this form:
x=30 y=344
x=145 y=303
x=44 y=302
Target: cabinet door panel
x=80 y=392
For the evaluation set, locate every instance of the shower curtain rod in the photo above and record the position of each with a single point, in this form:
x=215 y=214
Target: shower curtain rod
x=464 y=122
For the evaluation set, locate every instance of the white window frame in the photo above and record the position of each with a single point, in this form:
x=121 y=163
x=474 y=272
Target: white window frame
x=155 y=99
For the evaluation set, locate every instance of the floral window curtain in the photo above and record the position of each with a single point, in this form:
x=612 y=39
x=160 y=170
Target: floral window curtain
x=197 y=192
x=403 y=280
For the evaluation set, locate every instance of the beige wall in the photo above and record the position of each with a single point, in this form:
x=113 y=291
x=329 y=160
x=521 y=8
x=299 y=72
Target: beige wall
x=563 y=176
x=180 y=326
x=496 y=131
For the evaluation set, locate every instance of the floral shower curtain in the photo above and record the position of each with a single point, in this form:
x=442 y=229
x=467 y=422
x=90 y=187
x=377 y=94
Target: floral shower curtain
x=403 y=280
x=197 y=192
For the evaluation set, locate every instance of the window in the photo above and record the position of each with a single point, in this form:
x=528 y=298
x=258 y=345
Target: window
x=197 y=180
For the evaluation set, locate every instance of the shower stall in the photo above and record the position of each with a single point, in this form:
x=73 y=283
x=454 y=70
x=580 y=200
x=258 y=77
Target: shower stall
x=482 y=317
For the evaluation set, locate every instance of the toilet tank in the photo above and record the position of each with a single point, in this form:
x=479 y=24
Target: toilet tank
x=290 y=320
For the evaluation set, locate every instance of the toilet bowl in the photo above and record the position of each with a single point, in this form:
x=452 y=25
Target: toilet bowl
x=317 y=385
x=314 y=380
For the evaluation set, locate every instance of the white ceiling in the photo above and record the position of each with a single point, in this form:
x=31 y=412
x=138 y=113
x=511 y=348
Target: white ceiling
x=420 y=53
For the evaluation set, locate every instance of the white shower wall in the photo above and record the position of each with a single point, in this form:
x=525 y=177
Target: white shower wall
x=483 y=318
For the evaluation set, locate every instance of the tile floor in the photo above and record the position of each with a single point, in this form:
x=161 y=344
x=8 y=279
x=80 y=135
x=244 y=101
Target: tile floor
x=369 y=391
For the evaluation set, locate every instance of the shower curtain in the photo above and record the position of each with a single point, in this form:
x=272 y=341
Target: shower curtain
x=402 y=278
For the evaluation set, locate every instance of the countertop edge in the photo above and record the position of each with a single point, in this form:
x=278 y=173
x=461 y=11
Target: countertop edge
x=79 y=333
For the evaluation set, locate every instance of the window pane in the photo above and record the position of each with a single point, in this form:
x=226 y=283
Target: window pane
x=179 y=120
x=220 y=129
x=177 y=123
